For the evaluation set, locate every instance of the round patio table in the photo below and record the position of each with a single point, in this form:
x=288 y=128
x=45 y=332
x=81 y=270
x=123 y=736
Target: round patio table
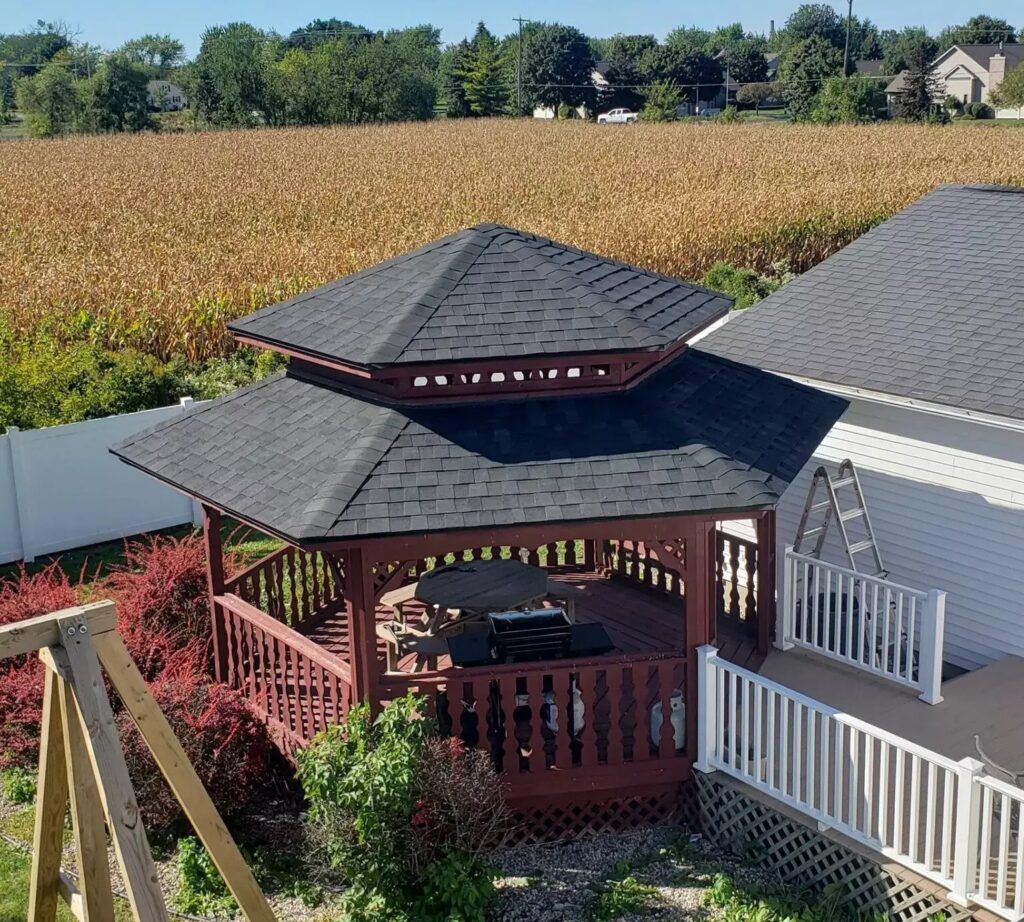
x=482 y=586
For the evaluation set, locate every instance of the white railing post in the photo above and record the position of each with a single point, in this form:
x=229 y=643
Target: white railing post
x=784 y=619
x=707 y=707
x=20 y=480
x=187 y=404
x=933 y=629
x=968 y=817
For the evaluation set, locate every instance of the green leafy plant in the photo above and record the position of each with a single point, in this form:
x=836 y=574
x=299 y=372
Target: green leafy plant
x=201 y=889
x=622 y=895
x=18 y=785
x=745 y=286
x=761 y=904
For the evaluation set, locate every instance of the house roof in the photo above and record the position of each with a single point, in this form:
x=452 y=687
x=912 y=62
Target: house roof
x=929 y=305
x=483 y=293
x=898 y=84
x=312 y=463
x=981 y=54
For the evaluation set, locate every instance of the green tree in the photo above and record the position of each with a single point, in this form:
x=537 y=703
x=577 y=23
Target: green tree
x=394 y=76
x=757 y=94
x=49 y=99
x=663 y=99
x=746 y=60
x=450 y=91
x=623 y=55
x=805 y=68
x=115 y=97
x=814 y=20
x=558 y=67
x=696 y=73
x=978 y=30
x=922 y=89
x=333 y=30
x=481 y=74
x=848 y=100
x=299 y=84
x=159 y=54
x=1010 y=93
x=230 y=75
x=24 y=54
x=902 y=47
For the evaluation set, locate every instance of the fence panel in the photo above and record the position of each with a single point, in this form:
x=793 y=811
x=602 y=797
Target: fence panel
x=60 y=488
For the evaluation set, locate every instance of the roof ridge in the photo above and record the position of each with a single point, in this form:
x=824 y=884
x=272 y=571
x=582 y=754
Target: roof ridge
x=623 y=320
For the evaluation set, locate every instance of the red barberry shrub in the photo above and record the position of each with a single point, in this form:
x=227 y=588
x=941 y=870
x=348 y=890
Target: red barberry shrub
x=223 y=739
x=21 y=677
x=162 y=605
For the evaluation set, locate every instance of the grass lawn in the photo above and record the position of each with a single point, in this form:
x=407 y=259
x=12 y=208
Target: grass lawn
x=14 y=130
x=92 y=563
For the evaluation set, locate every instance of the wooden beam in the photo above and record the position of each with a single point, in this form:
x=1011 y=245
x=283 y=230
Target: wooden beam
x=87 y=819
x=51 y=799
x=181 y=777
x=362 y=615
x=765 y=581
x=215 y=587
x=107 y=760
x=701 y=613
x=35 y=633
x=71 y=895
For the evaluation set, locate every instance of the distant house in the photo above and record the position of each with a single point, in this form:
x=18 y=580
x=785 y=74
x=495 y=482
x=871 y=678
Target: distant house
x=165 y=96
x=969 y=73
x=598 y=76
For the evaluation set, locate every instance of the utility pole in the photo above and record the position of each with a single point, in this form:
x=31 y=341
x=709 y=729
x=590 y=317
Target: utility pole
x=519 y=64
x=846 y=51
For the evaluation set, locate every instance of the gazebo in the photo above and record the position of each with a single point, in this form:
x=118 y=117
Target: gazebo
x=496 y=395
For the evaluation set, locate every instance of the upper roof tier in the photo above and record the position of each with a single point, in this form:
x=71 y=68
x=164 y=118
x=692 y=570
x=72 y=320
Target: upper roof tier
x=485 y=293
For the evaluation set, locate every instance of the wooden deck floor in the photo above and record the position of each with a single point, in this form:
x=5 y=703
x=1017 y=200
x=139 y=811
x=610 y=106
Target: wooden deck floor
x=637 y=620
x=988 y=702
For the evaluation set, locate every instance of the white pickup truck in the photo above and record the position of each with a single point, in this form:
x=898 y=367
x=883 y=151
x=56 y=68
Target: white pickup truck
x=617 y=117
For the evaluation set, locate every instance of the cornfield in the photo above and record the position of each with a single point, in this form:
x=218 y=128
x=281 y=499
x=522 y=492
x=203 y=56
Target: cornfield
x=158 y=241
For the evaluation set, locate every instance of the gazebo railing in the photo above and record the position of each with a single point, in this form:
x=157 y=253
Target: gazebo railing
x=296 y=685
x=609 y=716
x=291 y=585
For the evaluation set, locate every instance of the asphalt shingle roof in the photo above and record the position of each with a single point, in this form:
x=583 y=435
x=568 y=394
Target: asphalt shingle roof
x=928 y=305
x=486 y=292
x=311 y=463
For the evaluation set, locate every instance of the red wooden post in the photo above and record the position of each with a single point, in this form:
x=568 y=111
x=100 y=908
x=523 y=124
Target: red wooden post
x=215 y=587
x=362 y=628
x=701 y=612
x=765 y=580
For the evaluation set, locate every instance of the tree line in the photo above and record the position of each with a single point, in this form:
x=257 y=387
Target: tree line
x=333 y=71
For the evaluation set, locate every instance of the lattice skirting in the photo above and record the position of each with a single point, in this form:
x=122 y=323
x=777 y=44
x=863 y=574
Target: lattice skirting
x=574 y=816
x=734 y=820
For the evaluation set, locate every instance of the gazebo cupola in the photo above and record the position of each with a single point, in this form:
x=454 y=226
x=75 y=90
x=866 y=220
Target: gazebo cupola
x=486 y=311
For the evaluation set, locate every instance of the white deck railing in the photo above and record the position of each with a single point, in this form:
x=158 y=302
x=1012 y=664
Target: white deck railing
x=941 y=818
x=867 y=622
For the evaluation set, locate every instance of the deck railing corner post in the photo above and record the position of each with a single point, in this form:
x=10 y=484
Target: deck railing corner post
x=966 y=832
x=706 y=707
x=784 y=619
x=933 y=629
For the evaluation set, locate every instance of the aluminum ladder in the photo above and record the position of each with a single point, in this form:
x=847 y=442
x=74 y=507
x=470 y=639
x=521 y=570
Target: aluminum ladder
x=819 y=514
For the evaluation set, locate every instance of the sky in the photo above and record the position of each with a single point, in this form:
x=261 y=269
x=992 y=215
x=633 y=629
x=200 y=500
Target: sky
x=108 y=23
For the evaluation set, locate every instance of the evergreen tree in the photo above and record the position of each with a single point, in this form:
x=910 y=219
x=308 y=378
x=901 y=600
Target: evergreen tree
x=805 y=68
x=451 y=94
x=482 y=75
x=922 y=89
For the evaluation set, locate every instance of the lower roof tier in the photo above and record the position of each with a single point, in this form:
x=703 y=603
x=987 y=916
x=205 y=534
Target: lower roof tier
x=311 y=463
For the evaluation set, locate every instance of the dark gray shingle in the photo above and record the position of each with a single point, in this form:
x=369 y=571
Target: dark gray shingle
x=486 y=292
x=928 y=305
x=311 y=463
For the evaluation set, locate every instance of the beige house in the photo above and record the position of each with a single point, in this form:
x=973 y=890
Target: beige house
x=165 y=96
x=969 y=73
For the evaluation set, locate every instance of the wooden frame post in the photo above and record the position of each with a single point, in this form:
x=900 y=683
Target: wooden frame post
x=215 y=586
x=701 y=614
x=765 y=580
x=362 y=628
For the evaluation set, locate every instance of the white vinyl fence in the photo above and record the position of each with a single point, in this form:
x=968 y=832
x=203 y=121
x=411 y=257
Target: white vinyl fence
x=867 y=622
x=944 y=819
x=60 y=487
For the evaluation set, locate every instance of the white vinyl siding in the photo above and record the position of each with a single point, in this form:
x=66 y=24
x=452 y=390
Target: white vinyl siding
x=946 y=498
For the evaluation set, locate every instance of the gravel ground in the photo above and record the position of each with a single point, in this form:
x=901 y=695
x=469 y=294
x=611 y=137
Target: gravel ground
x=561 y=882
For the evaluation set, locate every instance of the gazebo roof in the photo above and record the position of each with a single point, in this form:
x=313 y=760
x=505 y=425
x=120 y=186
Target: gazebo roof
x=487 y=292
x=314 y=462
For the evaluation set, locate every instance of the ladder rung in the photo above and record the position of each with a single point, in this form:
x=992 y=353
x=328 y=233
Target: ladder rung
x=822 y=505
x=861 y=546
x=844 y=482
x=851 y=514
x=813 y=531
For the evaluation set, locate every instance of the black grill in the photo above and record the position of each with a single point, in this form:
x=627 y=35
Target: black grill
x=523 y=636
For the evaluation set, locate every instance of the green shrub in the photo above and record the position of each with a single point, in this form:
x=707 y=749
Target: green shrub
x=201 y=889
x=729 y=115
x=406 y=819
x=620 y=896
x=744 y=286
x=979 y=110
x=762 y=904
x=18 y=785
